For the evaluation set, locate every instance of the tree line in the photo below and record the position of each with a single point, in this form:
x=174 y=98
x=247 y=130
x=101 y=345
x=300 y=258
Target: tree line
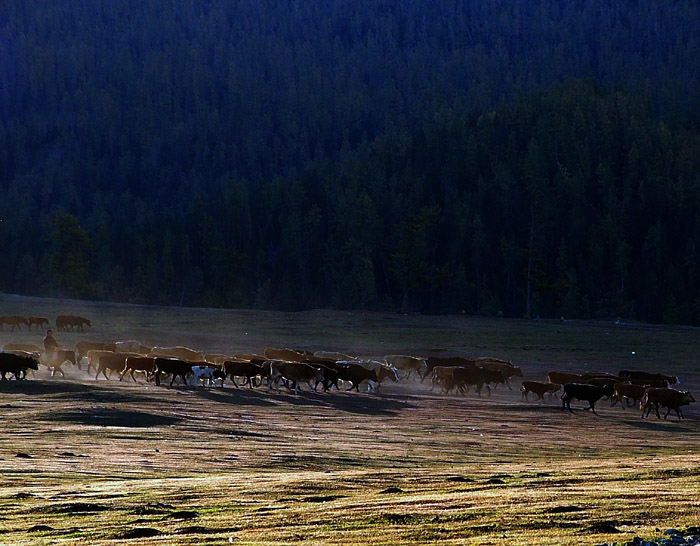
x=433 y=157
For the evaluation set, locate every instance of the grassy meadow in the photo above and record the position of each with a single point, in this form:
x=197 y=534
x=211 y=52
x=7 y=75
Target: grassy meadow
x=85 y=461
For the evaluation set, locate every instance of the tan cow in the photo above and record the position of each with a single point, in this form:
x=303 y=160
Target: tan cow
x=562 y=378
x=183 y=353
x=25 y=347
x=443 y=376
x=406 y=363
x=290 y=355
x=335 y=356
x=507 y=368
x=83 y=347
x=132 y=346
x=93 y=357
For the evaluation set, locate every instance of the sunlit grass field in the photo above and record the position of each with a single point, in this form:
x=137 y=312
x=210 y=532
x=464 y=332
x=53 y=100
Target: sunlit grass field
x=85 y=461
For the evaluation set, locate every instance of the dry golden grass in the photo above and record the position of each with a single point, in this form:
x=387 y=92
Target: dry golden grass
x=98 y=462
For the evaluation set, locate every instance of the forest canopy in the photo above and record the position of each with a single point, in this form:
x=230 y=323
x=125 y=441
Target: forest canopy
x=439 y=157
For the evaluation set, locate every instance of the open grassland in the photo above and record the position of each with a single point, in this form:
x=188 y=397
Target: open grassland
x=104 y=462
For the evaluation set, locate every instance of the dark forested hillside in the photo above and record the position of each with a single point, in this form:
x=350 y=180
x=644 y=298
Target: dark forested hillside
x=426 y=156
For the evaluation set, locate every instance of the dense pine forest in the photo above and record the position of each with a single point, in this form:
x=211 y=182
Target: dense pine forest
x=536 y=157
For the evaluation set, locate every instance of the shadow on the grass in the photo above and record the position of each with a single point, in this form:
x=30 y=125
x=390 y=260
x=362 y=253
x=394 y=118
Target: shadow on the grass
x=114 y=418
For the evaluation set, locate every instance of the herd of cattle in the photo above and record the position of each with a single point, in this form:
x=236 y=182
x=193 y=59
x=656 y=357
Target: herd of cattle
x=63 y=322
x=292 y=368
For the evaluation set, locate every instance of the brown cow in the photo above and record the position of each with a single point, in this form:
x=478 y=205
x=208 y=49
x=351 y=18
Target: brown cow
x=507 y=368
x=112 y=362
x=294 y=372
x=93 y=358
x=628 y=392
x=242 y=368
x=64 y=322
x=15 y=322
x=478 y=377
x=37 y=321
x=146 y=364
x=669 y=398
x=446 y=361
x=539 y=388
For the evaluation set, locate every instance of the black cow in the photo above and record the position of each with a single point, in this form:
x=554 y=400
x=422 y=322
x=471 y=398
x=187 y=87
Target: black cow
x=17 y=364
x=174 y=367
x=584 y=391
x=356 y=374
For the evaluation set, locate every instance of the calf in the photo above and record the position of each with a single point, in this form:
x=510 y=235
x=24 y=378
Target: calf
x=669 y=398
x=539 y=388
x=387 y=372
x=17 y=364
x=583 y=391
x=204 y=373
